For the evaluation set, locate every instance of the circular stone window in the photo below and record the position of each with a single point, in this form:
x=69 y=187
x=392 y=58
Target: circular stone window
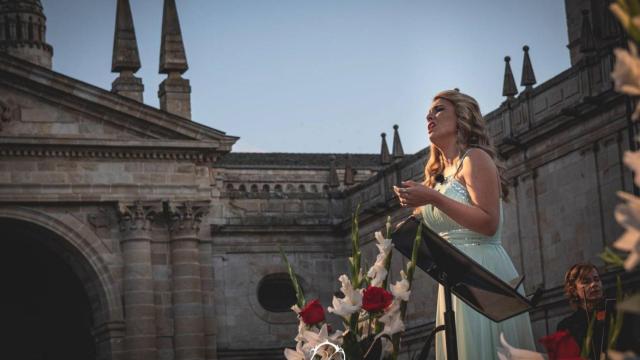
x=276 y=293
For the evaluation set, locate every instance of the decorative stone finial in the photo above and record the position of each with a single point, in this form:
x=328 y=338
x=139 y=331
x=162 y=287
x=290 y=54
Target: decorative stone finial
x=172 y=55
x=587 y=40
x=528 y=77
x=385 y=157
x=509 y=88
x=397 y=145
x=334 y=182
x=174 y=92
x=126 y=59
x=348 y=172
x=125 y=46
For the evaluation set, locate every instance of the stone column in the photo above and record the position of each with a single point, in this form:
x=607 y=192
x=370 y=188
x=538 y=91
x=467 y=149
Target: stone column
x=139 y=306
x=207 y=276
x=188 y=316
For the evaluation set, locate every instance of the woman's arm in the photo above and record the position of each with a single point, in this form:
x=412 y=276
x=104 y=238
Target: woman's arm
x=480 y=175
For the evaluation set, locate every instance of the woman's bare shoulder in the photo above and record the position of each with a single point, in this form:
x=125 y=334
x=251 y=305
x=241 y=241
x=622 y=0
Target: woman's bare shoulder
x=478 y=160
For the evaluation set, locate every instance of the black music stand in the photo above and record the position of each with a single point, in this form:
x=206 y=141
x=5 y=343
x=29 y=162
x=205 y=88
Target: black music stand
x=461 y=276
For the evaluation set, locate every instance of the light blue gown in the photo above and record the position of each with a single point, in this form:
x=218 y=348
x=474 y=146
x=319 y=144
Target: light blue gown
x=478 y=337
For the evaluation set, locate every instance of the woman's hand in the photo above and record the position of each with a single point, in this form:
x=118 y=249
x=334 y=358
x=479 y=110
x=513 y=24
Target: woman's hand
x=413 y=194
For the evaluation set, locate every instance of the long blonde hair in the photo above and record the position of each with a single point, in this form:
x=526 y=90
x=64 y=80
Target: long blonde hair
x=472 y=133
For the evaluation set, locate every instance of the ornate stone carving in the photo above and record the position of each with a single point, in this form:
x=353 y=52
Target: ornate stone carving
x=99 y=220
x=9 y=111
x=137 y=216
x=185 y=218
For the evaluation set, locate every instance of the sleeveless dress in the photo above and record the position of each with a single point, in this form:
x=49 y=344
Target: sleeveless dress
x=478 y=337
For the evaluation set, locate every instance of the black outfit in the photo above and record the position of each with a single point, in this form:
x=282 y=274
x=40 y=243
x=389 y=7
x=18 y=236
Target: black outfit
x=578 y=323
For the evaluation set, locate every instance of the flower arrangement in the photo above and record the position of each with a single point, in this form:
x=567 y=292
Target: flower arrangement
x=372 y=311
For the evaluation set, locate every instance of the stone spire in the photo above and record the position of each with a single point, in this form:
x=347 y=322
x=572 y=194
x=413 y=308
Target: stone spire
x=397 y=145
x=348 y=172
x=509 y=88
x=23 y=31
x=126 y=60
x=334 y=182
x=385 y=157
x=174 y=92
x=528 y=77
x=587 y=40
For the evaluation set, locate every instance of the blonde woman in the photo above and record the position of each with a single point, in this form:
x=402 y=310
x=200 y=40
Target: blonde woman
x=461 y=199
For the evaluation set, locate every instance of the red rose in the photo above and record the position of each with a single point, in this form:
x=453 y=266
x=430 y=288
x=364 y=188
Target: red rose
x=312 y=313
x=561 y=346
x=376 y=299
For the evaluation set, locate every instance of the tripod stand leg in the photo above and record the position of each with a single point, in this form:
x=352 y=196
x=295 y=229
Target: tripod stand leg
x=450 y=326
x=424 y=354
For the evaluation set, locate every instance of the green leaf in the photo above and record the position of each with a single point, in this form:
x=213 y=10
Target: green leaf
x=294 y=280
x=611 y=258
x=615 y=322
x=355 y=249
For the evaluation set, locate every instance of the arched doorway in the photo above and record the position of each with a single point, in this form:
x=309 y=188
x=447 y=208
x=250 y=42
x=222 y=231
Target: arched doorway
x=45 y=307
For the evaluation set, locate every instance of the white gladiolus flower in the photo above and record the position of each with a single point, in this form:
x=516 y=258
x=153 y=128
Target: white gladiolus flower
x=297 y=354
x=378 y=271
x=312 y=339
x=628 y=215
x=391 y=319
x=632 y=160
x=508 y=352
x=351 y=302
x=302 y=327
x=626 y=73
x=384 y=245
x=401 y=288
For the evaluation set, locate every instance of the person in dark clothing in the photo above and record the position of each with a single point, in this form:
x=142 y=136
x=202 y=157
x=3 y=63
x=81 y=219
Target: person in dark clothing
x=583 y=288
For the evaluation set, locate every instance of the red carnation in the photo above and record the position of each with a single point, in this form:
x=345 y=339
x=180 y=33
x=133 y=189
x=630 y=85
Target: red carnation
x=561 y=346
x=376 y=299
x=312 y=313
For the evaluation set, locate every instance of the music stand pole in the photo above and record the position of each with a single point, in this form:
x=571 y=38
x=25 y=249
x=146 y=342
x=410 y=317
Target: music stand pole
x=450 y=324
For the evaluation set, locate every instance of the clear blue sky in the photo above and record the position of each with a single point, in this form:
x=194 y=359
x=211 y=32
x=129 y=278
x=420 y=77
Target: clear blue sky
x=324 y=75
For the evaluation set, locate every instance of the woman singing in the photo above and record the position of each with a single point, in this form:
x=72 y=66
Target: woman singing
x=461 y=199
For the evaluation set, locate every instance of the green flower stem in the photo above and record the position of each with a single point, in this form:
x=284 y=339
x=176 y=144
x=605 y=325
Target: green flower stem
x=615 y=325
x=411 y=269
x=294 y=280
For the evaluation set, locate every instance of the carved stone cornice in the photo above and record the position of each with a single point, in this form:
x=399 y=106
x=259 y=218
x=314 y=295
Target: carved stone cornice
x=109 y=149
x=136 y=218
x=185 y=217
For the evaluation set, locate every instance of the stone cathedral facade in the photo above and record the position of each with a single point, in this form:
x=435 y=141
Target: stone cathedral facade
x=131 y=232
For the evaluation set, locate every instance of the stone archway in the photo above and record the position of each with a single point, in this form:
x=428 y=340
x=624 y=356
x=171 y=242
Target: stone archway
x=58 y=300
